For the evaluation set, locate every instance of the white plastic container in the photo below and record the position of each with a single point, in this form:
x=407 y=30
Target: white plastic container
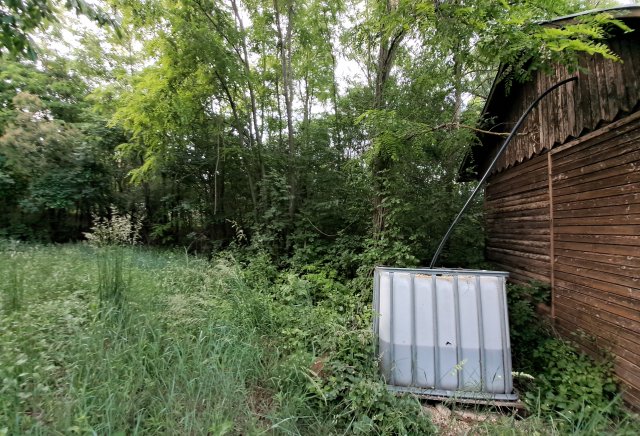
x=444 y=332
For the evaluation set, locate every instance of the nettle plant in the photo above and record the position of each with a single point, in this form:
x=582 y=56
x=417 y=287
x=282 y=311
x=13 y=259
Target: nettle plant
x=119 y=229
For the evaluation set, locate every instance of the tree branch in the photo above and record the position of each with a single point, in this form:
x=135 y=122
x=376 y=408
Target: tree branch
x=218 y=29
x=451 y=126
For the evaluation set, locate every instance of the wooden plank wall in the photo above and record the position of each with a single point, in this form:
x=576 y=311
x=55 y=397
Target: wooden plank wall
x=596 y=228
x=517 y=220
x=606 y=90
x=592 y=224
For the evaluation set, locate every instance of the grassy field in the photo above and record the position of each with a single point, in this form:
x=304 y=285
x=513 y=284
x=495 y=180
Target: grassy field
x=132 y=341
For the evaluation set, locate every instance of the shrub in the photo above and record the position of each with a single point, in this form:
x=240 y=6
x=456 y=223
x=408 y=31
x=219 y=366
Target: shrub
x=567 y=383
x=351 y=390
x=570 y=382
x=527 y=331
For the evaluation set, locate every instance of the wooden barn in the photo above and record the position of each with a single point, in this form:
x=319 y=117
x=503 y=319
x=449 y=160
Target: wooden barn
x=563 y=203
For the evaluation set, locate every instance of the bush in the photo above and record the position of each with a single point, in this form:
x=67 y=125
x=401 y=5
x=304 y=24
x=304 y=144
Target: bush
x=567 y=384
x=570 y=382
x=527 y=330
x=118 y=229
x=352 y=391
x=321 y=327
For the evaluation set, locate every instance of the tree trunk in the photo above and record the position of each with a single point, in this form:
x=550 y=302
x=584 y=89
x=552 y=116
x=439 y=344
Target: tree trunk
x=336 y=114
x=457 y=84
x=334 y=86
x=217 y=225
x=254 y=127
x=241 y=135
x=306 y=116
x=381 y=162
x=284 y=44
x=280 y=139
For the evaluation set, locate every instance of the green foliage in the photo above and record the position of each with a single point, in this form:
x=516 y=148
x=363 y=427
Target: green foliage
x=149 y=367
x=117 y=229
x=519 y=40
x=112 y=283
x=19 y=18
x=212 y=346
x=214 y=129
x=188 y=345
x=12 y=290
x=226 y=125
x=539 y=423
x=577 y=393
x=570 y=382
x=357 y=398
x=528 y=331
x=584 y=36
x=53 y=167
x=313 y=314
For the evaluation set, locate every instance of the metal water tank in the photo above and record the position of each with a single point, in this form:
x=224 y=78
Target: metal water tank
x=444 y=332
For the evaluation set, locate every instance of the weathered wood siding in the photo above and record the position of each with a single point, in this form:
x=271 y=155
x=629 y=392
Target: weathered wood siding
x=563 y=204
x=579 y=202
x=605 y=91
x=596 y=240
x=517 y=219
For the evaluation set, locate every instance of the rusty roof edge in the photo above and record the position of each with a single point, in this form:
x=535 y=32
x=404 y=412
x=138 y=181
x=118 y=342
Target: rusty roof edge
x=615 y=9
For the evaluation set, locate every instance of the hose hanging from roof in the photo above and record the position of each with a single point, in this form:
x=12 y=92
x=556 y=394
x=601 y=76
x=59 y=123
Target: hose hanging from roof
x=493 y=164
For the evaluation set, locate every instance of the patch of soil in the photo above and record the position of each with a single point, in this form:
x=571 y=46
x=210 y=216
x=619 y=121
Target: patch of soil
x=458 y=422
x=261 y=403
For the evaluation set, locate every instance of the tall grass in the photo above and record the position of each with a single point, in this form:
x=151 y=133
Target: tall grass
x=112 y=282
x=134 y=342
x=12 y=290
x=604 y=422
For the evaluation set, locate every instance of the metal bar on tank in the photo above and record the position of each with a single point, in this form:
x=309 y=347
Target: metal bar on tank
x=376 y=303
x=392 y=343
x=459 y=369
x=436 y=339
x=414 y=359
x=506 y=340
x=483 y=376
x=445 y=271
x=505 y=337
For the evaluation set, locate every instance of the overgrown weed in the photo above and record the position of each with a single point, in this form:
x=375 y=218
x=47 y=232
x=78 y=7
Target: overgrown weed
x=13 y=286
x=162 y=344
x=569 y=391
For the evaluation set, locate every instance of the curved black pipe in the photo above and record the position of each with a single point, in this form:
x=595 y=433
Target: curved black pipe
x=493 y=164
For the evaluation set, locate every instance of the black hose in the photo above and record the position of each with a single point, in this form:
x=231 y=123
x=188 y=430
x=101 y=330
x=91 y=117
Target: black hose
x=493 y=164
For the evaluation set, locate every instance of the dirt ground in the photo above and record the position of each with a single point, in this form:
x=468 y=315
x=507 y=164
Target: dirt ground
x=460 y=421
